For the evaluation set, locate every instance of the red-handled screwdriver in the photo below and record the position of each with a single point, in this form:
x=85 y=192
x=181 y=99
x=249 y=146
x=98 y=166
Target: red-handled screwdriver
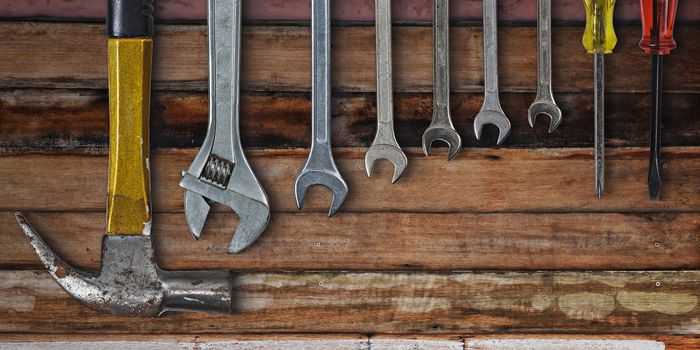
x=658 y=18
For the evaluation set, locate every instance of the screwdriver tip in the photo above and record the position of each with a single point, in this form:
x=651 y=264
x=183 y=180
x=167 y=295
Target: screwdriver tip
x=654 y=182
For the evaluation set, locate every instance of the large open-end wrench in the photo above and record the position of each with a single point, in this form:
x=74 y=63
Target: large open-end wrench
x=320 y=168
x=544 y=101
x=220 y=172
x=441 y=127
x=385 y=145
x=491 y=111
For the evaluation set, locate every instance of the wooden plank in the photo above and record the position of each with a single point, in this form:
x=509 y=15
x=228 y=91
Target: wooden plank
x=454 y=302
x=184 y=342
x=36 y=120
x=278 y=59
x=479 y=180
x=582 y=342
x=388 y=241
x=348 y=10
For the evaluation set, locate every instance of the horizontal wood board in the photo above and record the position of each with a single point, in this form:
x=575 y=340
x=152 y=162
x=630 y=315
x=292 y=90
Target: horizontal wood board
x=346 y=10
x=351 y=342
x=386 y=241
x=455 y=302
x=35 y=120
x=488 y=180
x=278 y=58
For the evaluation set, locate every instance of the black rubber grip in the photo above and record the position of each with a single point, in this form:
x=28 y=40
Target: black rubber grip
x=130 y=18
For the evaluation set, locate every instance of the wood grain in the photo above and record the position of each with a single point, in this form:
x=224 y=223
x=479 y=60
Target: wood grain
x=479 y=180
x=278 y=59
x=330 y=341
x=387 y=241
x=36 y=120
x=347 y=10
x=448 y=302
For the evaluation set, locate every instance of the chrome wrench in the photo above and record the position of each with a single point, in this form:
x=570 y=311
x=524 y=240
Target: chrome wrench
x=385 y=145
x=544 y=101
x=491 y=111
x=320 y=168
x=441 y=127
x=220 y=172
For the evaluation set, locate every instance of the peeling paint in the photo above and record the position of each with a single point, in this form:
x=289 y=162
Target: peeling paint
x=541 y=302
x=563 y=344
x=16 y=302
x=586 y=306
x=421 y=304
x=665 y=303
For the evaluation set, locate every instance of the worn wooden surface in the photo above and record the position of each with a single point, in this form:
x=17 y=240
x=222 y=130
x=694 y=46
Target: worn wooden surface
x=477 y=253
x=34 y=119
x=350 y=342
x=278 y=58
x=345 y=10
x=362 y=302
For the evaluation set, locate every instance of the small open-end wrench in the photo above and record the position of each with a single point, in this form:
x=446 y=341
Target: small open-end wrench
x=491 y=111
x=544 y=102
x=220 y=172
x=320 y=168
x=385 y=145
x=441 y=127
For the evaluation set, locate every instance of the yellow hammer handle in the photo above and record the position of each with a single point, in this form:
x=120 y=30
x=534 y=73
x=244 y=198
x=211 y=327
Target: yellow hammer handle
x=128 y=200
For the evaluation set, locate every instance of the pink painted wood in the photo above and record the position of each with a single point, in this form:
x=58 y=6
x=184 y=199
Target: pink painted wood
x=343 y=10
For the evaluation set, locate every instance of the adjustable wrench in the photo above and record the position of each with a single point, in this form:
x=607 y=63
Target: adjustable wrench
x=385 y=145
x=320 y=168
x=544 y=101
x=441 y=127
x=491 y=111
x=220 y=172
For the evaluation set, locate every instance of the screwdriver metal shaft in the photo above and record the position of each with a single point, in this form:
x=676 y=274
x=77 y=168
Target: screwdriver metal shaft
x=599 y=110
x=655 y=122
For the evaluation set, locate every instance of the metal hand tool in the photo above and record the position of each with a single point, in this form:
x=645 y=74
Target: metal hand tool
x=320 y=168
x=491 y=111
x=658 y=19
x=130 y=282
x=220 y=172
x=441 y=127
x=385 y=145
x=599 y=39
x=544 y=101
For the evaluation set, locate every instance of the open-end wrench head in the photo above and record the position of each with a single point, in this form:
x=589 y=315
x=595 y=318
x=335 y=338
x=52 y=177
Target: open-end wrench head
x=130 y=283
x=492 y=117
x=439 y=133
x=332 y=181
x=547 y=108
x=390 y=153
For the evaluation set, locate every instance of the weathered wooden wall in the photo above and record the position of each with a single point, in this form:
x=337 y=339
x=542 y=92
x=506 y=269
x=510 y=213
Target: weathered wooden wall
x=503 y=240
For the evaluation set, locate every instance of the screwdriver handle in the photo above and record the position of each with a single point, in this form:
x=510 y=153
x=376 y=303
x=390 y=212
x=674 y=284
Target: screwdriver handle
x=658 y=19
x=599 y=37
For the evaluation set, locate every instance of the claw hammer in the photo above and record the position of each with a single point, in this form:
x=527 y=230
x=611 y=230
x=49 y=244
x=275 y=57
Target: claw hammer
x=130 y=282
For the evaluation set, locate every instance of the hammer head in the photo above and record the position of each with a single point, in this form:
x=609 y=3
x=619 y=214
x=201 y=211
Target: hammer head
x=130 y=282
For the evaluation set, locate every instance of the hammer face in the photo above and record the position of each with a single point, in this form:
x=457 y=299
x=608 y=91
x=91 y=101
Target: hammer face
x=130 y=282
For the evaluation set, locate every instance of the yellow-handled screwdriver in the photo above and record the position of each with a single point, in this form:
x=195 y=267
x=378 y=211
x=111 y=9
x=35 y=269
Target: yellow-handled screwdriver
x=599 y=39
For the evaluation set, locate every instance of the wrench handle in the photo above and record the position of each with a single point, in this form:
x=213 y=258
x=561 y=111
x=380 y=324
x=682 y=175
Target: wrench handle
x=321 y=65
x=544 y=49
x=491 y=56
x=385 y=112
x=128 y=203
x=441 y=55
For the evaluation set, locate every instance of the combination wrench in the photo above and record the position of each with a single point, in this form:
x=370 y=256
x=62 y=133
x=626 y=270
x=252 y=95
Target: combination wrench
x=491 y=111
x=385 y=145
x=441 y=127
x=544 y=101
x=320 y=168
x=220 y=172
